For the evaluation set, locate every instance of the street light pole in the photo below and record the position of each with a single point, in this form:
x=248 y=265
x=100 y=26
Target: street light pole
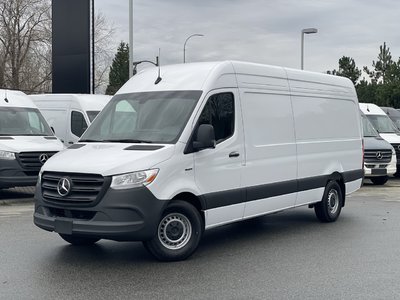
x=130 y=38
x=184 y=45
x=303 y=32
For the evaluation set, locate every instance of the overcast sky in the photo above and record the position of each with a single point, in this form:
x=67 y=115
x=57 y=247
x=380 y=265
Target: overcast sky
x=262 y=31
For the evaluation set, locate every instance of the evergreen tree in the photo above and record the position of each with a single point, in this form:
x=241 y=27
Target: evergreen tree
x=382 y=67
x=119 y=71
x=347 y=68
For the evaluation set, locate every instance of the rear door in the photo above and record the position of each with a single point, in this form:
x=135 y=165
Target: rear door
x=218 y=171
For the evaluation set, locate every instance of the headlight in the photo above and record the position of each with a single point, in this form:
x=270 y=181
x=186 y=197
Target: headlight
x=132 y=180
x=7 y=155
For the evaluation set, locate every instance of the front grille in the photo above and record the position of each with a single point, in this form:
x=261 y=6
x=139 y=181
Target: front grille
x=31 y=160
x=371 y=156
x=397 y=149
x=85 y=189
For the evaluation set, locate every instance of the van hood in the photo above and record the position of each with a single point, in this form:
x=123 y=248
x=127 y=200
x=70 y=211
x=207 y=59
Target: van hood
x=20 y=144
x=376 y=143
x=392 y=138
x=108 y=159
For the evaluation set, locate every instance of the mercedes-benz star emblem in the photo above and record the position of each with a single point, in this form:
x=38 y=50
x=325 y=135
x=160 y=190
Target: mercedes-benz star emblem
x=63 y=187
x=379 y=155
x=43 y=158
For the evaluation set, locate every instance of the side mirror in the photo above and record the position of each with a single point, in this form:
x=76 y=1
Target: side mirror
x=205 y=138
x=52 y=129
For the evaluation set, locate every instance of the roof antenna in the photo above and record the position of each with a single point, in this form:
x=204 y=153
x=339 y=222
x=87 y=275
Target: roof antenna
x=5 y=96
x=159 y=67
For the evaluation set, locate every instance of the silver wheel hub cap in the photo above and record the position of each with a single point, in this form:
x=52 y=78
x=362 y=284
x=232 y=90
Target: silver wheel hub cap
x=333 y=202
x=174 y=231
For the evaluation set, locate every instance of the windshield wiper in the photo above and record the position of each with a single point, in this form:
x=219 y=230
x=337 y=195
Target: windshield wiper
x=128 y=141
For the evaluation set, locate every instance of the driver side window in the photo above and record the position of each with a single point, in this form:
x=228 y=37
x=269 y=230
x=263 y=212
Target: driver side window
x=219 y=112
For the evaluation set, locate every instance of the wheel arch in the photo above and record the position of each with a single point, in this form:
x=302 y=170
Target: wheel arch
x=336 y=176
x=194 y=200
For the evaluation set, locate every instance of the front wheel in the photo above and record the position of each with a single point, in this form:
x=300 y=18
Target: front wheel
x=178 y=233
x=328 y=210
x=78 y=240
x=379 y=180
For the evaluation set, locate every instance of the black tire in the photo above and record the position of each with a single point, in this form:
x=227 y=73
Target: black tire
x=328 y=210
x=178 y=232
x=379 y=180
x=78 y=240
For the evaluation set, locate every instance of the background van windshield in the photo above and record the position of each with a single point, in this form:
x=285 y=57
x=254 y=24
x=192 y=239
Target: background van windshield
x=153 y=117
x=92 y=114
x=382 y=124
x=22 y=121
x=368 y=129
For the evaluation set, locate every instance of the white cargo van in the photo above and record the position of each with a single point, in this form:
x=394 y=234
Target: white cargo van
x=26 y=140
x=385 y=127
x=379 y=156
x=209 y=144
x=69 y=115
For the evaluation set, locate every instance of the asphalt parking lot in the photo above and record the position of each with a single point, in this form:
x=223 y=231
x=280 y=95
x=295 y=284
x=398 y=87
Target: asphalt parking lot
x=289 y=255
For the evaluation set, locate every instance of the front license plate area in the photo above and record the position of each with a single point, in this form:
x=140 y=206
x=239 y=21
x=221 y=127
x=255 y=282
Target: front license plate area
x=378 y=171
x=63 y=226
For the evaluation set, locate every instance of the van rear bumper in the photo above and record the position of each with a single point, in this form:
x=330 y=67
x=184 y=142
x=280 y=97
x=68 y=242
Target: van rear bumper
x=121 y=215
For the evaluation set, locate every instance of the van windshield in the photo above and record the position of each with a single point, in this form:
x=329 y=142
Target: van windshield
x=22 y=121
x=382 y=124
x=149 y=117
x=368 y=129
x=396 y=121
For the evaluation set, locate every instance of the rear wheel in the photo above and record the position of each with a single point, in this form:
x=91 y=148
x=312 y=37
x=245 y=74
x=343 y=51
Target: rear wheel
x=328 y=210
x=178 y=233
x=379 y=180
x=78 y=240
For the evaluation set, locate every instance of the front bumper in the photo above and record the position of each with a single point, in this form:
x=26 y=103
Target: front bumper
x=12 y=175
x=121 y=215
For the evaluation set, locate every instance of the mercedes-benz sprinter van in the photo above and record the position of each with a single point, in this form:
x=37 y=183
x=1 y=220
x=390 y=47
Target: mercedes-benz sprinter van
x=385 y=127
x=70 y=115
x=379 y=156
x=200 y=146
x=26 y=140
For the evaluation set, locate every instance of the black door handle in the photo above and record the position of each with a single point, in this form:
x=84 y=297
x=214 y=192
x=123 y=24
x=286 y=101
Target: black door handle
x=234 y=154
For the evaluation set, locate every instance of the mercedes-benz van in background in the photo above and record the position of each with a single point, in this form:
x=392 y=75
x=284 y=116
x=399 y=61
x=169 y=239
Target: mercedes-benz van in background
x=385 y=127
x=26 y=140
x=204 y=145
x=379 y=156
x=70 y=114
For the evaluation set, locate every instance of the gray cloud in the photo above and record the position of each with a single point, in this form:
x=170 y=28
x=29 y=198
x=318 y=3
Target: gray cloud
x=262 y=31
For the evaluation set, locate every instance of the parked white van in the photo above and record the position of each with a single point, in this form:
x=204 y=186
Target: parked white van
x=70 y=114
x=26 y=140
x=385 y=127
x=205 y=145
x=379 y=156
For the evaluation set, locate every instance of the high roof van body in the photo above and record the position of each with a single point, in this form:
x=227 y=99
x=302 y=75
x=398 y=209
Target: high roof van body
x=204 y=145
x=385 y=127
x=70 y=114
x=26 y=140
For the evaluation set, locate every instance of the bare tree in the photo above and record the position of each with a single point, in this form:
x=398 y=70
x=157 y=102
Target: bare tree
x=23 y=34
x=104 y=52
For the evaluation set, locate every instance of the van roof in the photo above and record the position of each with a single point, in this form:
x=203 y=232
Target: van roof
x=371 y=109
x=15 y=99
x=212 y=75
x=86 y=101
